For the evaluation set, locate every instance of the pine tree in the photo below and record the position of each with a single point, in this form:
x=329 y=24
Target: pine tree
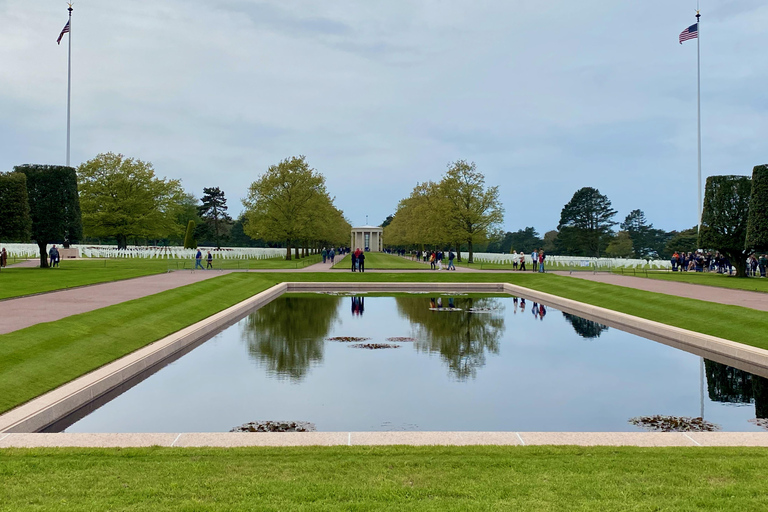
x=214 y=211
x=586 y=223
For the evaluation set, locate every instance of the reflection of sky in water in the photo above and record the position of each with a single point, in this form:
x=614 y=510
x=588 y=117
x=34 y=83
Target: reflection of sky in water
x=529 y=375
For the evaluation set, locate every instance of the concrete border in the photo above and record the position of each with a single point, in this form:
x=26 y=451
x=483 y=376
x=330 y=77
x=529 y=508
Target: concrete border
x=54 y=405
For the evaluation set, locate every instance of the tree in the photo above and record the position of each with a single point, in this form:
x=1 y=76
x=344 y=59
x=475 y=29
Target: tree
x=724 y=218
x=620 y=246
x=281 y=203
x=586 y=223
x=683 y=241
x=387 y=221
x=122 y=198
x=550 y=242
x=525 y=240
x=757 y=223
x=473 y=209
x=189 y=237
x=646 y=241
x=54 y=206
x=15 y=222
x=214 y=211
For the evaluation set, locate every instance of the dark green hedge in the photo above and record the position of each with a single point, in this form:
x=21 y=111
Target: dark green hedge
x=15 y=222
x=757 y=225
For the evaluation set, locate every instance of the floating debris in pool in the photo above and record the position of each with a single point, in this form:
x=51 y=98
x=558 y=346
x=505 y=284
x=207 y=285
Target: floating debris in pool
x=760 y=422
x=346 y=339
x=482 y=310
x=374 y=346
x=400 y=338
x=660 y=423
x=276 y=426
x=445 y=308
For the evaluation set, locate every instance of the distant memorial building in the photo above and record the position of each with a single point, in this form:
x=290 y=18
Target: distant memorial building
x=367 y=238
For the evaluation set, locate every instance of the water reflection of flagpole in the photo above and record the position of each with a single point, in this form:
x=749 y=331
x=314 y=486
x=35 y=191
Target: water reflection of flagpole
x=701 y=387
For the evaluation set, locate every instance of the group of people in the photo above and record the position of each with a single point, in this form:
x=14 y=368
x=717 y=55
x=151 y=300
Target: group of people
x=199 y=260
x=435 y=259
x=538 y=310
x=757 y=264
x=537 y=260
x=358 y=261
x=329 y=255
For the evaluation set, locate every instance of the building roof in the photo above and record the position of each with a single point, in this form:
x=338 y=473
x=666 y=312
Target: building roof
x=367 y=228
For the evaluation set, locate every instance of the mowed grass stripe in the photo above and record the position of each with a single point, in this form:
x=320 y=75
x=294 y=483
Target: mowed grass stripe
x=385 y=478
x=42 y=357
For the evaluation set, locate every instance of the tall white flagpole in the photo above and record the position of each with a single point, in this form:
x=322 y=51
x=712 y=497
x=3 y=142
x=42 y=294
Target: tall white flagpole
x=698 y=73
x=69 y=78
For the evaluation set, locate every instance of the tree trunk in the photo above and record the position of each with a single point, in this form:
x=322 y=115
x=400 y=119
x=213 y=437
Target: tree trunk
x=458 y=253
x=43 y=255
x=296 y=252
x=122 y=242
x=740 y=265
x=470 y=259
x=288 y=252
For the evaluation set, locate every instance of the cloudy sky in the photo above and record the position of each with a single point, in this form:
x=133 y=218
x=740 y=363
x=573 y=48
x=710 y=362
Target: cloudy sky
x=546 y=97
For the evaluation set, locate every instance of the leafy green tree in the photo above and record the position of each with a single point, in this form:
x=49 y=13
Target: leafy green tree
x=525 y=240
x=189 y=237
x=186 y=210
x=647 y=241
x=387 y=221
x=214 y=211
x=585 y=328
x=620 y=246
x=53 y=205
x=586 y=223
x=473 y=210
x=549 y=243
x=15 y=222
x=724 y=218
x=757 y=224
x=122 y=198
x=281 y=203
x=683 y=241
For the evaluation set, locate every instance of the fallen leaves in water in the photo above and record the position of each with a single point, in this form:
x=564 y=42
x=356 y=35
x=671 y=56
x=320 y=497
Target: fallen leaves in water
x=346 y=339
x=402 y=339
x=660 y=423
x=374 y=346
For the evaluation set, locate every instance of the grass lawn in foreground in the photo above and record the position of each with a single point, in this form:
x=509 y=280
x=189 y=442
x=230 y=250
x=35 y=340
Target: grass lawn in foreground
x=44 y=356
x=17 y=282
x=385 y=478
x=383 y=261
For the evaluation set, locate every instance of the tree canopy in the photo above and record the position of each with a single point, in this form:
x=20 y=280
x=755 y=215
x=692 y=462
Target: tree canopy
x=54 y=206
x=213 y=211
x=122 y=198
x=290 y=204
x=15 y=222
x=586 y=223
x=724 y=218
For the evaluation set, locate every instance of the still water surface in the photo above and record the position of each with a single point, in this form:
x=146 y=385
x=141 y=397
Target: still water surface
x=505 y=367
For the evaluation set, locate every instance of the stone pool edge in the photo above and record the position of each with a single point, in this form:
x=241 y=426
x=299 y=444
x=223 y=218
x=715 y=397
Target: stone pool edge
x=18 y=425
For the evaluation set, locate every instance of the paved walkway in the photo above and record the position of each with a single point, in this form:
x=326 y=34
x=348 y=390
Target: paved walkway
x=753 y=300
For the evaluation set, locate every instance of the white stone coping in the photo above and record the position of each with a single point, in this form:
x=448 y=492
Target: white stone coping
x=48 y=408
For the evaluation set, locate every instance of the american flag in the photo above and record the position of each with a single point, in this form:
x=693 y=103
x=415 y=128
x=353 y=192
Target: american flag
x=63 y=31
x=691 y=32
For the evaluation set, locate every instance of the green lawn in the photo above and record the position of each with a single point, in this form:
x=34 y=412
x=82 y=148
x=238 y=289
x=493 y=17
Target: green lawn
x=17 y=282
x=383 y=261
x=754 y=284
x=385 y=478
x=44 y=356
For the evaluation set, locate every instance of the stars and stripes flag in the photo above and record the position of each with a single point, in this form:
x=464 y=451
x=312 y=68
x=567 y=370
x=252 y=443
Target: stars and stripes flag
x=691 y=32
x=63 y=31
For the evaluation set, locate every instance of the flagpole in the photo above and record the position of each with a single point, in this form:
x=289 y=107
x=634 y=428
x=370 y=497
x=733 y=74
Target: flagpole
x=698 y=73
x=69 y=78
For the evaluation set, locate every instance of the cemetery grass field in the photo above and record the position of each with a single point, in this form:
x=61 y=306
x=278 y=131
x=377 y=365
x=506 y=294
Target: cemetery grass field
x=541 y=478
x=381 y=261
x=20 y=281
x=45 y=356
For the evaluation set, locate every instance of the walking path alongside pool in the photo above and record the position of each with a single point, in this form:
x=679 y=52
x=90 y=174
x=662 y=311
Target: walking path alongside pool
x=747 y=299
x=231 y=440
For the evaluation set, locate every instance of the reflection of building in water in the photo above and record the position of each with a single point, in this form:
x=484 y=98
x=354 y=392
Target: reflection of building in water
x=731 y=385
x=585 y=328
x=461 y=338
x=358 y=305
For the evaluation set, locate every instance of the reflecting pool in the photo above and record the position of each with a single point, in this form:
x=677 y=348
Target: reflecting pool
x=464 y=363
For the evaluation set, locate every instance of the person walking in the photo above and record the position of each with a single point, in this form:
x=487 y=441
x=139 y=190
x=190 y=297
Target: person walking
x=354 y=261
x=3 y=258
x=325 y=254
x=451 y=256
x=522 y=261
x=209 y=261
x=432 y=258
x=199 y=260
x=332 y=255
x=53 y=254
x=542 y=256
x=534 y=259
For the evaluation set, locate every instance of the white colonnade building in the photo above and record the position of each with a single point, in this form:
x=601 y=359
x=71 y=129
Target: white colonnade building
x=367 y=238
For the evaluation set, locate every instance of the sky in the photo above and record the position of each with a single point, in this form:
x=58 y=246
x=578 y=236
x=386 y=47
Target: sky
x=545 y=97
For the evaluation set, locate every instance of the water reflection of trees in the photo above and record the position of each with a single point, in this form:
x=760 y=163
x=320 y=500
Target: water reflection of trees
x=585 y=328
x=728 y=384
x=287 y=335
x=462 y=339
